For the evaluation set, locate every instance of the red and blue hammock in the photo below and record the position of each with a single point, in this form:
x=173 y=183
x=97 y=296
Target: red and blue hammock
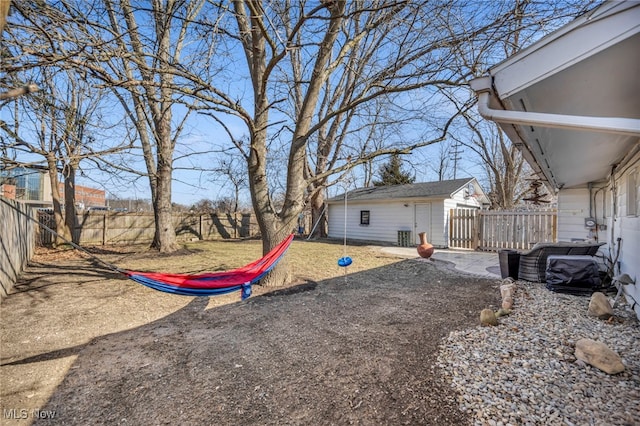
x=213 y=283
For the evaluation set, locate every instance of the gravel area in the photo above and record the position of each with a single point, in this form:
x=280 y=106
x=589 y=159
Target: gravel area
x=524 y=372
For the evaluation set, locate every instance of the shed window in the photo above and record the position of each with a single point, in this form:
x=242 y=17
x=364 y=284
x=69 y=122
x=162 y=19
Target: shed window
x=364 y=217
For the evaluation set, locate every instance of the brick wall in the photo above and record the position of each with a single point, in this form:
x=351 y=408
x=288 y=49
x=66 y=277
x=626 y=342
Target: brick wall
x=8 y=191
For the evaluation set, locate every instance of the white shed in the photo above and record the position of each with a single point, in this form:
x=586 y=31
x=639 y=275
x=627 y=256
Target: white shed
x=398 y=213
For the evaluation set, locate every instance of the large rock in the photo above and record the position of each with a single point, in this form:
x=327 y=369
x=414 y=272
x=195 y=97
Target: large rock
x=599 y=355
x=488 y=317
x=599 y=306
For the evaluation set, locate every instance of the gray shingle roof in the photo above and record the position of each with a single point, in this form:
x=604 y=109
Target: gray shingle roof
x=439 y=189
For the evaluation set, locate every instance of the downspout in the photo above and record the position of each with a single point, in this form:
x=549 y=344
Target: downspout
x=592 y=231
x=483 y=87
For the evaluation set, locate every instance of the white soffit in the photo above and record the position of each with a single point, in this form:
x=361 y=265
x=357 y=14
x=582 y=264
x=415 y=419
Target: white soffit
x=591 y=33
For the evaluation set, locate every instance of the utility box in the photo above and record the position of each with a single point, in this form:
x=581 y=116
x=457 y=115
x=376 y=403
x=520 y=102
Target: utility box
x=404 y=239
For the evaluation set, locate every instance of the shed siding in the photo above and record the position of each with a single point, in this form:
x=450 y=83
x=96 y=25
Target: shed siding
x=390 y=215
x=448 y=205
x=461 y=198
x=458 y=197
x=439 y=224
x=386 y=219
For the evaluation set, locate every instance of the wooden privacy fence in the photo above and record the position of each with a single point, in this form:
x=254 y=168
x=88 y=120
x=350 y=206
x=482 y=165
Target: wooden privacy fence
x=494 y=230
x=107 y=227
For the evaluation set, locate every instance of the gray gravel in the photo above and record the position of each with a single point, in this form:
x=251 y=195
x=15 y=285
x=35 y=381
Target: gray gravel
x=524 y=372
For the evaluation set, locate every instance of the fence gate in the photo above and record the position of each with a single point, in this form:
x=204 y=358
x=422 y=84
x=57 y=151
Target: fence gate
x=46 y=218
x=495 y=230
x=463 y=228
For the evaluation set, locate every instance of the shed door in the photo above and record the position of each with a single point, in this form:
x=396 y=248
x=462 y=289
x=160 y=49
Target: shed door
x=422 y=221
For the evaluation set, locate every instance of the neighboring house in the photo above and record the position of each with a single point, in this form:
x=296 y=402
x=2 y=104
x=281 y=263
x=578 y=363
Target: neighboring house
x=31 y=185
x=571 y=104
x=382 y=213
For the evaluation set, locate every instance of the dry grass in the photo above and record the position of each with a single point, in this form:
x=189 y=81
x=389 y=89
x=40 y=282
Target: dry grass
x=306 y=260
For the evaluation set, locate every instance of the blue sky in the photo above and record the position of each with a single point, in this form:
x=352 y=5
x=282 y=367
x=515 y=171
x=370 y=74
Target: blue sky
x=193 y=179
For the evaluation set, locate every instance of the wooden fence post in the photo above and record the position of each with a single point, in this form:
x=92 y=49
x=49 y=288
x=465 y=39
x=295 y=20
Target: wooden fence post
x=476 y=231
x=104 y=228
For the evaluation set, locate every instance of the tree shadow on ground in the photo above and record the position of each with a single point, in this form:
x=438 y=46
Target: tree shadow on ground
x=359 y=348
x=41 y=276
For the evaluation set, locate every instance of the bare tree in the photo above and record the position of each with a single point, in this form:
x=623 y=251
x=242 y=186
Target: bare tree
x=442 y=165
x=203 y=206
x=62 y=122
x=65 y=119
x=321 y=66
x=24 y=89
x=137 y=52
x=327 y=86
x=524 y=22
x=145 y=73
x=318 y=71
x=233 y=169
x=503 y=163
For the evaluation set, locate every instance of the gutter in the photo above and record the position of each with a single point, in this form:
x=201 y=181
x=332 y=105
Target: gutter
x=616 y=125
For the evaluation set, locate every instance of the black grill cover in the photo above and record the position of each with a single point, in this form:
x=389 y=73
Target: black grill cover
x=572 y=274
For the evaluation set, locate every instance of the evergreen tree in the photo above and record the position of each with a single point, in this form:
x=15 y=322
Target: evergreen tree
x=391 y=173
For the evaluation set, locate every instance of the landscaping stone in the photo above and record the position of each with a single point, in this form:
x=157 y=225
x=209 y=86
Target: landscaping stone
x=507 y=303
x=599 y=355
x=600 y=307
x=487 y=317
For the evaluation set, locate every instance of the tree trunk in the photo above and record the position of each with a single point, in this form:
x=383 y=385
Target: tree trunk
x=281 y=273
x=165 y=234
x=274 y=226
x=60 y=227
x=318 y=215
x=70 y=215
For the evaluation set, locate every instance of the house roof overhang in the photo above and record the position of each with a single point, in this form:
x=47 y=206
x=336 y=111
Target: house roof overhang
x=571 y=101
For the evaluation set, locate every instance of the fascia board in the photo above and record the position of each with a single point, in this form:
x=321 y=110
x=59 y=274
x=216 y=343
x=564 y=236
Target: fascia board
x=573 y=43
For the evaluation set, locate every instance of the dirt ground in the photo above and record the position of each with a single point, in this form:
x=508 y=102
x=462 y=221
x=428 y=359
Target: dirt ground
x=82 y=346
